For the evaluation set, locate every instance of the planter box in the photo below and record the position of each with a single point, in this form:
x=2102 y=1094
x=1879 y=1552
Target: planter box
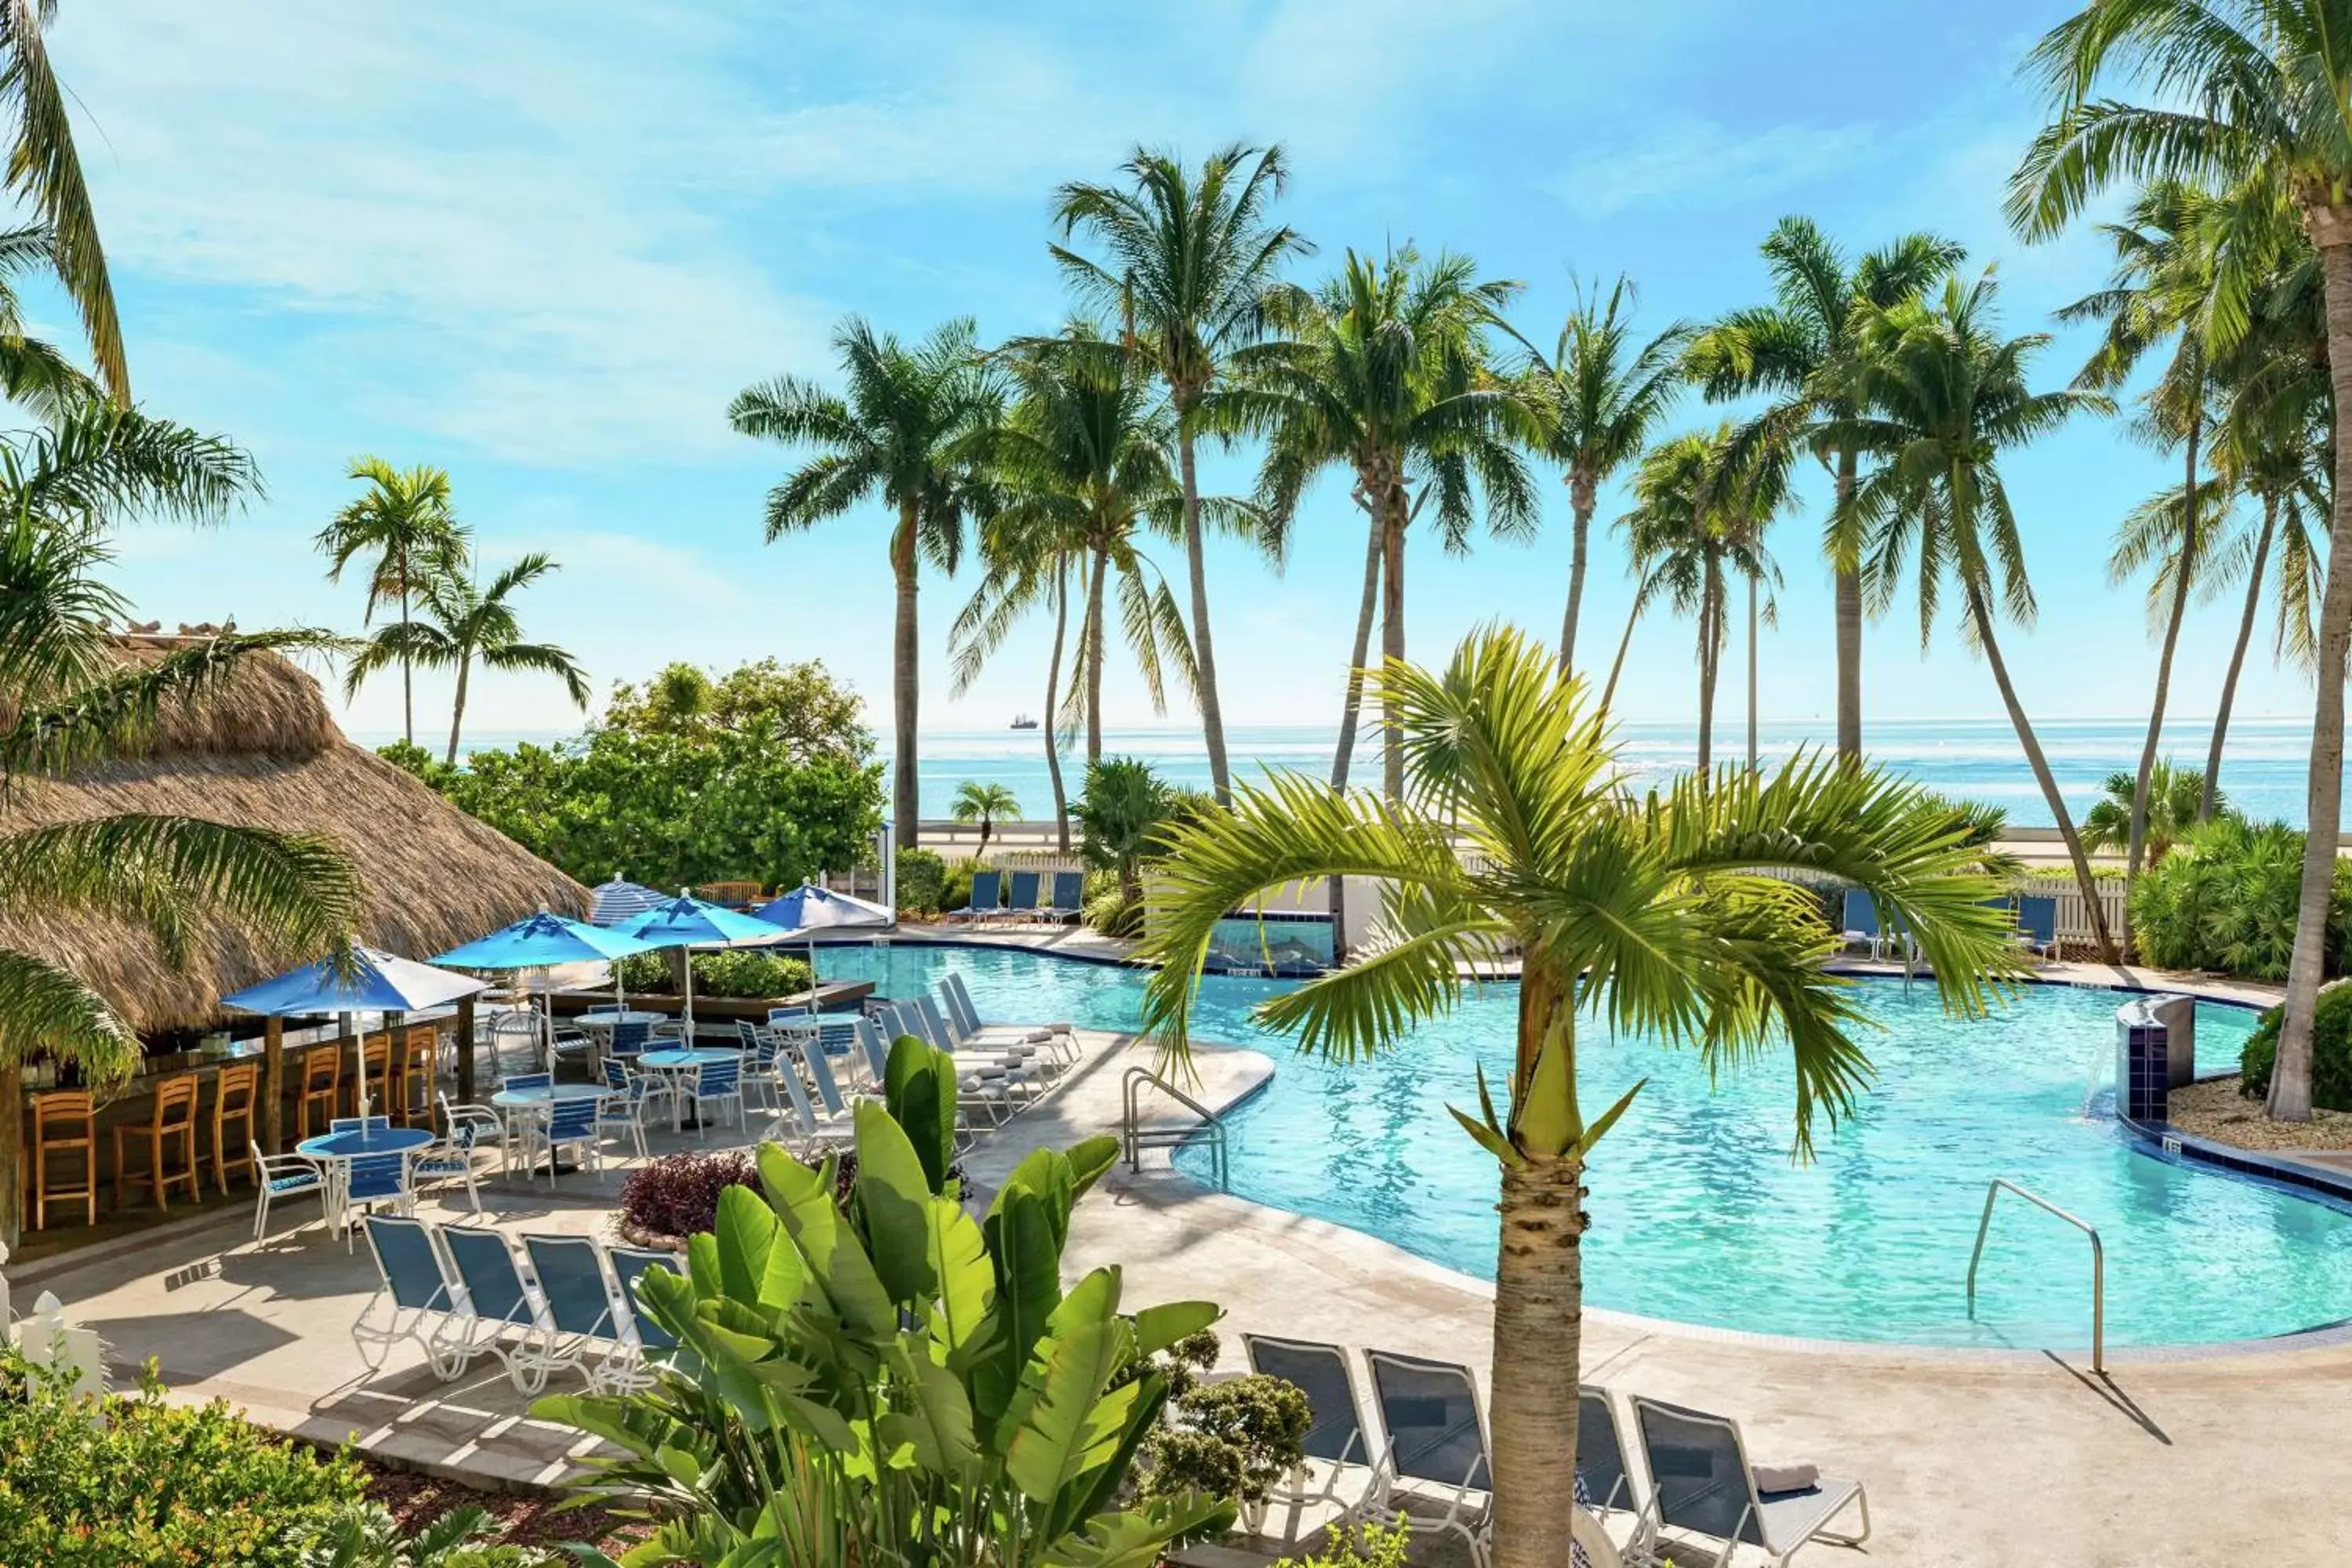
x=832 y=997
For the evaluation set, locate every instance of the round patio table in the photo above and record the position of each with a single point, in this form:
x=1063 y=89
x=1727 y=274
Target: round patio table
x=536 y=1102
x=681 y=1067
x=599 y=1022
x=334 y=1152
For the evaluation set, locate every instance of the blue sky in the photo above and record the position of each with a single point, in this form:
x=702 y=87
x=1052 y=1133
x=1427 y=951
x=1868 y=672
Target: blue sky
x=542 y=245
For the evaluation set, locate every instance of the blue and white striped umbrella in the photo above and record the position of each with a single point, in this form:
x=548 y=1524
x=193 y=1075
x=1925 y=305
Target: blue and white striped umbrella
x=810 y=908
x=616 y=902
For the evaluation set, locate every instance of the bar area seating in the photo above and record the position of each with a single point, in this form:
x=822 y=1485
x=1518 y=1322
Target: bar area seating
x=411 y=1104
x=376 y=1075
x=64 y=1133
x=237 y=1093
x=172 y=1127
x=321 y=1081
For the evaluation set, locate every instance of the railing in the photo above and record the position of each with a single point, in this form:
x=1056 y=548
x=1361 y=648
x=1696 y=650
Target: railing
x=2098 y=1262
x=1137 y=1137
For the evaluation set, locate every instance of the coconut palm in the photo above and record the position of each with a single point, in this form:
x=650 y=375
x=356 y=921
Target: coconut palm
x=463 y=624
x=45 y=172
x=1803 y=351
x=2166 y=811
x=2237 y=93
x=1384 y=374
x=1948 y=396
x=1654 y=915
x=985 y=804
x=1027 y=567
x=906 y=413
x=404 y=522
x=1596 y=401
x=1187 y=264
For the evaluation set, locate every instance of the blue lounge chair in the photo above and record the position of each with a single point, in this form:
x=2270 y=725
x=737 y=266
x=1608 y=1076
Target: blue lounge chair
x=877 y=1055
x=1861 y=921
x=2037 y=923
x=1702 y=1484
x=1021 y=904
x=987 y=898
x=414 y=1283
x=639 y=1332
x=1342 y=1471
x=813 y=1128
x=584 y=1333
x=1437 y=1435
x=1069 y=897
x=500 y=1300
x=828 y=1088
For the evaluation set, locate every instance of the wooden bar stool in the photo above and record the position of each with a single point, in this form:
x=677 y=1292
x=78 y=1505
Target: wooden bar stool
x=175 y=1122
x=376 y=1075
x=65 y=1122
x=322 y=1081
x=420 y=1057
x=236 y=1094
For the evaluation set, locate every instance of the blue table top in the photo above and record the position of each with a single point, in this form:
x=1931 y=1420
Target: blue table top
x=606 y=1018
x=700 y=1057
x=351 y=1145
x=547 y=1094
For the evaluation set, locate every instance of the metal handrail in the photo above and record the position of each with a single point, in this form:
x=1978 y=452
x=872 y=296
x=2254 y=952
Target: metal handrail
x=1131 y=1134
x=2098 y=1262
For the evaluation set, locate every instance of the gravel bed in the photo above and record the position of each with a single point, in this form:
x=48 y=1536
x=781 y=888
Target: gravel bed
x=2215 y=1110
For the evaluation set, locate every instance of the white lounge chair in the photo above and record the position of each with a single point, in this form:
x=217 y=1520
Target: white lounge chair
x=1702 y=1486
x=1436 y=1438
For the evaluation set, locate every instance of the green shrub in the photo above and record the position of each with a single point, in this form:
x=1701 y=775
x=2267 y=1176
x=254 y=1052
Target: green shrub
x=1232 y=1439
x=736 y=972
x=922 y=881
x=955 y=886
x=1365 y=1546
x=2331 y=1052
x=365 y=1535
x=2225 y=898
x=150 y=1481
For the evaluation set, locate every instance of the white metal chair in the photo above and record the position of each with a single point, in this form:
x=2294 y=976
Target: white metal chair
x=277 y=1177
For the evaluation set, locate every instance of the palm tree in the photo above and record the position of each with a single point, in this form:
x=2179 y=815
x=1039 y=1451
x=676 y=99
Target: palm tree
x=463 y=624
x=45 y=170
x=2249 y=93
x=404 y=522
x=894 y=433
x=1384 y=374
x=1654 y=915
x=2166 y=811
x=1947 y=395
x=2161 y=289
x=1596 y=400
x=1026 y=565
x=1187 y=263
x=985 y=804
x=1804 y=351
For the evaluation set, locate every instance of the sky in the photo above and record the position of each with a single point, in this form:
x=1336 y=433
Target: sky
x=542 y=245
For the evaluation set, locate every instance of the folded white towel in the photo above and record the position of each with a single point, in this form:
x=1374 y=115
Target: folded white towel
x=1785 y=1477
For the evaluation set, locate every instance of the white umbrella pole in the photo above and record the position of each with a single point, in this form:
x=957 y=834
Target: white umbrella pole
x=687 y=1041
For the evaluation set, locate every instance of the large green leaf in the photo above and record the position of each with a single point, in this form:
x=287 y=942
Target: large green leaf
x=965 y=1282
x=1069 y=1424
x=892 y=1198
x=1088 y=1159
x=935 y=1417
x=838 y=1267
x=745 y=1231
x=1142 y=1537
x=1047 y=1176
x=918 y=1086
x=1026 y=1248
x=1157 y=1328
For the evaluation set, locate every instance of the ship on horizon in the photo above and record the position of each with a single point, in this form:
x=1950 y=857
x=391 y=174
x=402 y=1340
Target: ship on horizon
x=1023 y=722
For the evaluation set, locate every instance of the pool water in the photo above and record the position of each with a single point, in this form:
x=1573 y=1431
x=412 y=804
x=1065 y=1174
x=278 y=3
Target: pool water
x=1700 y=1216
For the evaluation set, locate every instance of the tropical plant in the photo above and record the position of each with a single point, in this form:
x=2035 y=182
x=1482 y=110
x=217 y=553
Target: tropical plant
x=1946 y=398
x=1236 y=1438
x=404 y=522
x=1656 y=915
x=985 y=804
x=2224 y=900
x=922 y=881
x=896 y=1382
x=2248 y=95
x=799 y=708
x=1805 y=351
x=45 y=172
x=35 y=374
x=2168 y=810
x=747 y=974
x=894 y=433
x=1123 y=812
x=1359 y=1546
x=465 y=624
x=1384 y=374
x=366 y=1535
x=2331 y=1052
x=1186 y=264
x=677 y=1194
x=1596 y=401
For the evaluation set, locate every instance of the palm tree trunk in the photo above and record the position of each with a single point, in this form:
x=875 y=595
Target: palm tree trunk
x=2184 y=573
x=1751 y=672
x=2290 y=1098
x=1846 y=578
x=1617 y=666
x=1052 y=725
x=1352 y=706
x=1707 y=641
x=1580 y=499
x=408 y=673
x=905 y=684
x=1092 y=652
x=12 y=1152
x=1204 y=661
x=1982 y=614
x=2205 y=801
x=457 y=708
x=1392 y=638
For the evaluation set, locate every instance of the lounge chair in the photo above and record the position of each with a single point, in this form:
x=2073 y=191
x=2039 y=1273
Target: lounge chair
x=1603 y=1478
x=1436 y=1434
x=501 y=1298
x=815 y=1130
x=1340 y=1471
x=2037 y=924
x=828 y=1088
x=987 y=898
x=1069 y=900
x=1861 y=921
x=414 y=1281
x=582 y=1332
x=640 y=1335
x=1702 y=1484
x=957 y=995
x=1020 y=905
x=1033 y=1046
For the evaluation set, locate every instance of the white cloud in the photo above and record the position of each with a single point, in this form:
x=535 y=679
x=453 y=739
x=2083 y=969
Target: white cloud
x=1700 y=158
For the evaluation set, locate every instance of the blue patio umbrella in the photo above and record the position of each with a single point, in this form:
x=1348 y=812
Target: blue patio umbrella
x=689 y=923
x=542 y=941
x=369 y=981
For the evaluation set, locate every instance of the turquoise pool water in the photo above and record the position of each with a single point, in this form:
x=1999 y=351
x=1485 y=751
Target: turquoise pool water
x=1699 y=1214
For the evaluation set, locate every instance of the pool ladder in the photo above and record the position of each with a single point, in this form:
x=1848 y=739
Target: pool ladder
x=2098 y=1262
x=1137 y=1136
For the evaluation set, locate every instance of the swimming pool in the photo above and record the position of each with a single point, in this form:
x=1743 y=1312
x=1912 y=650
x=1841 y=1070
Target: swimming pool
x=1699 y=1214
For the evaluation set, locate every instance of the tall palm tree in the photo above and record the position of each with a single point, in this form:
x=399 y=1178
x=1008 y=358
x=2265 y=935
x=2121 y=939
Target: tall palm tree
x=463 y=624
x=1596 y=400
x=45 y=172
x=1947 y=397
x=1803 y=351
x=2160 y=290
x=1653 y=915
x=2240 y=93
x=1384 y=374
x=403 y=521
x=1187 y=262
x=894 y=433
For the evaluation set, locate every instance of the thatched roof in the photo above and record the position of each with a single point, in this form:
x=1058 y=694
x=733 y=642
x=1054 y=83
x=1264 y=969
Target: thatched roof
x=267 y=753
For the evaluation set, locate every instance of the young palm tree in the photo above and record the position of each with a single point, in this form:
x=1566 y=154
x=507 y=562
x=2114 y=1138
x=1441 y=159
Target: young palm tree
x=2167 y=811
x=1187 y=262
x=2161 y=290
x=1649 y=915
x=894 y=433
x=2251 y=94
x=1802 y=350
x=1384 y=374
x=404 y=522
x=1948 y=396
x=1595 y=401
x=45 y=172
x=463 y=624
x=985 y=804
